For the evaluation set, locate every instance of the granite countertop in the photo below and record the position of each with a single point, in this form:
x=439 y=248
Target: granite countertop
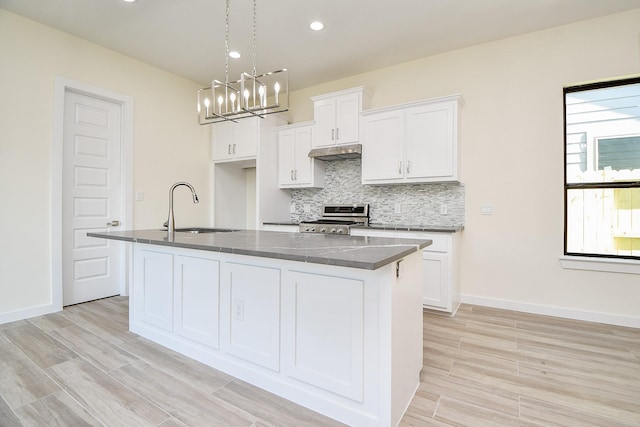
x=367 y=253
x=425 y=228
x=398 y=227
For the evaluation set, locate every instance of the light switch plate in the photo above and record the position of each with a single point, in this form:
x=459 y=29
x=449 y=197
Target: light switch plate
x=486 y=209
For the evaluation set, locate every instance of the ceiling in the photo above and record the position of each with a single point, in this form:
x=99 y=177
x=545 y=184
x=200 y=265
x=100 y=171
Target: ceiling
x=186 y=37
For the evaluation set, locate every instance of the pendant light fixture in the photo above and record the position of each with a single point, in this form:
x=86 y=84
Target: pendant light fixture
x=250 y=96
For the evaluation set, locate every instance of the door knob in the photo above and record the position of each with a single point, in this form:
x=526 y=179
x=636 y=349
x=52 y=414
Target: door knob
x=113 y=223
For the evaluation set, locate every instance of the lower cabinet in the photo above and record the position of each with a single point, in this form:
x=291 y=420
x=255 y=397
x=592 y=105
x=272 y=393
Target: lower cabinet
x=250 y=314
x=325 y=340
x=154 y=286
x=441 y=282
x=197 y=296
x=342 y=341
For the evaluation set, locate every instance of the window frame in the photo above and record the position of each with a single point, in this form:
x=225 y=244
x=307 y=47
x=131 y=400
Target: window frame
x=604 y=185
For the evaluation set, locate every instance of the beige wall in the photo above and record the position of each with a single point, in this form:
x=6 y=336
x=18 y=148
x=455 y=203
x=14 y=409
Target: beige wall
x=512 y=155
x=512 y=147
x=168 y=145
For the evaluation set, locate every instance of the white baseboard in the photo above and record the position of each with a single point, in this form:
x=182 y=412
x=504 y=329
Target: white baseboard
x=27 y=313
x=567 y=313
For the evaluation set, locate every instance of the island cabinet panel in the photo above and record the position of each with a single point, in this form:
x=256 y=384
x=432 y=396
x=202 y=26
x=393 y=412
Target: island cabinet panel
x=250 y=314
x=343 y=341
x=153 y=293
x=197 y=299
x=325 y=333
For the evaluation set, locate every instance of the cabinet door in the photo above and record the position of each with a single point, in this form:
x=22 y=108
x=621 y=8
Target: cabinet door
x=245 y=138
x=382 y=151
x=436 y=280
x=221 y=141
x=324 y=114
x=153 y=288
x=348 y=119
x=323 y=332
x=250 y=314
x=286 y=157
x=429 y=142
x=197 y=299
x=303 y=163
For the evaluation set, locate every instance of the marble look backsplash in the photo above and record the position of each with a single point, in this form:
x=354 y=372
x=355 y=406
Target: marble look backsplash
x=420 y=203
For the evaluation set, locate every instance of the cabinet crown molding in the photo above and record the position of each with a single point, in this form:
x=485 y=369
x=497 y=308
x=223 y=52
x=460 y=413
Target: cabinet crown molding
x=449 y=98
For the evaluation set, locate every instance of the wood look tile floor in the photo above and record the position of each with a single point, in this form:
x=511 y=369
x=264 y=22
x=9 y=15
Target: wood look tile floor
x=485 y=367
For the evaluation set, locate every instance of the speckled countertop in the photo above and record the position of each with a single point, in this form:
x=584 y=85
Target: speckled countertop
x=399 y=227
x=367 y=253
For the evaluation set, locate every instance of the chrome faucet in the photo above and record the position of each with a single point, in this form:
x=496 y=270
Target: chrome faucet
x=170 y=224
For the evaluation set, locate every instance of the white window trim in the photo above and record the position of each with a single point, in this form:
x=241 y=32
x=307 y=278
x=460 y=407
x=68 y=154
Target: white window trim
x=609 y=265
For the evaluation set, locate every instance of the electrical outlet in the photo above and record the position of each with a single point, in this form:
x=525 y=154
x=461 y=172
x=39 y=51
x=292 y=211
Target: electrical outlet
x=307 y=208
x=444 y=210
x=486 y=209
x=139 y=196
x=292 y=208
x=397 y=208
x=238 y=309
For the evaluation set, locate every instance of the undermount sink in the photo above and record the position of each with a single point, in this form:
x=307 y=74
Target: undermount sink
x=199 y=230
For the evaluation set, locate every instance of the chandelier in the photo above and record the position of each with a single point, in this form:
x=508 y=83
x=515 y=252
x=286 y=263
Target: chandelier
x=250 y=96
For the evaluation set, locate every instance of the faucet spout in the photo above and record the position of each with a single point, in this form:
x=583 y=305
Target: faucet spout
x=171 y=226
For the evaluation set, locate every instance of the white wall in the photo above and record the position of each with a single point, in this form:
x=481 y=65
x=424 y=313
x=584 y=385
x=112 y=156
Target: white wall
x=168 y=146
x=512 y=156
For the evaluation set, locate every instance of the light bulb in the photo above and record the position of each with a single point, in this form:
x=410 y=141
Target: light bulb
x=232 y=97
x=246 y=98
x=276 y=88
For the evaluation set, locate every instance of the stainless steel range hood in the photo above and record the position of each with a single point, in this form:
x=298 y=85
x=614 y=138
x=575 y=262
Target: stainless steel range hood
x=340 y=152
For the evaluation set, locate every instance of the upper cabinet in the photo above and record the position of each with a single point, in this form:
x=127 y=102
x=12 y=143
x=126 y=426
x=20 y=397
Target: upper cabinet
x=337 y=117
x=296 y=168
x=235 y=140
x=411 y=143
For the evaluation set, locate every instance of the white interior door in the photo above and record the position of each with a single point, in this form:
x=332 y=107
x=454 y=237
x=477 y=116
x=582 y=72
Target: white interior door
x=91 y=198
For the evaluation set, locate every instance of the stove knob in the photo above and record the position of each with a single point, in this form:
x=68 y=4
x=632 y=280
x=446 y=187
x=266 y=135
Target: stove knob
x=322 y=230
x=339 y=231
x=333 y=230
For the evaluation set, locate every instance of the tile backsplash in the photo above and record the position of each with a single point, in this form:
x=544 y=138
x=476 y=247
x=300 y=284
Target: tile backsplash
x=420 y=203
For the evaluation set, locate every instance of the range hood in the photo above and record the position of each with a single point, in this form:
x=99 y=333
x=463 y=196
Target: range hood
x=339 y=152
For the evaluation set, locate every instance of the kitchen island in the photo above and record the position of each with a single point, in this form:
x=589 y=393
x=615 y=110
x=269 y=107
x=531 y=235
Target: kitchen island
x=333 y=323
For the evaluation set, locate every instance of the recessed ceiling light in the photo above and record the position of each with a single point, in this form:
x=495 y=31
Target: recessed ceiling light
x=316 y=25
x=235 y=55
x=129 y=1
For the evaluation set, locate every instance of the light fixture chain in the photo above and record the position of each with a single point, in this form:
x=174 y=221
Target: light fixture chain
x=226 y=44
x=254 y=38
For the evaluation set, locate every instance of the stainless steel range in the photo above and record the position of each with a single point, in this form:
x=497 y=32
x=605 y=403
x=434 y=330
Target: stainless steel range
x=336 y=219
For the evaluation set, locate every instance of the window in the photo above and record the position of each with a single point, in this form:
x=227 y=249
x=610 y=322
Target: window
x=602 y=169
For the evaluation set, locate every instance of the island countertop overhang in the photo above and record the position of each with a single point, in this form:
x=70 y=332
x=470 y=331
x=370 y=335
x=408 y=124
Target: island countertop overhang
x=369 y=253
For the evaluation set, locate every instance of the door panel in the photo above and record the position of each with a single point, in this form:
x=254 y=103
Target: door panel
x=91 y=197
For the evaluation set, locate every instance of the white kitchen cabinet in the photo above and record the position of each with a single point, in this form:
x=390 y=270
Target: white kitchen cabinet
x=235 y=141
x=327 y=334
x=295 y=168
x=440 y=265
x=337 y=117
x=177 y=293
x=197 y=301
x=250 y=313
x=411 y=143
x=154 y=291
x=245 y=190
x=345 y=342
